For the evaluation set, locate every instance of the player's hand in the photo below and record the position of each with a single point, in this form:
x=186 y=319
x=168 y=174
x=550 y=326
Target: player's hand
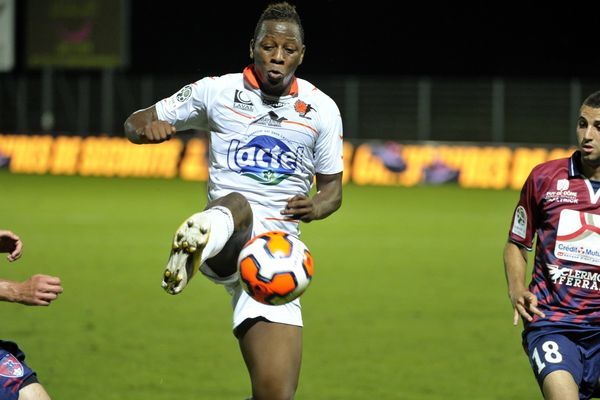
x=300 y=207
x=525 y=305
x=11 y=244
x=39 y=290
x=157 y=131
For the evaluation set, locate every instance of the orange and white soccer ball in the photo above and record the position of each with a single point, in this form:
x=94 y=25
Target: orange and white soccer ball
x=275 y=267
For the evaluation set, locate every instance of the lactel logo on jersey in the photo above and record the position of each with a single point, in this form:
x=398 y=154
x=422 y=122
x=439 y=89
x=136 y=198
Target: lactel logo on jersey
x=265 y=159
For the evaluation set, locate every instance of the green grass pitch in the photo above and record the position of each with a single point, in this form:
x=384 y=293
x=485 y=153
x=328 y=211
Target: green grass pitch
x=408 y=301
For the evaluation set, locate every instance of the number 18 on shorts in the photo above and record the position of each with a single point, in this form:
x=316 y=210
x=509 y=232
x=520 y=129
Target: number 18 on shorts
x=558 y=351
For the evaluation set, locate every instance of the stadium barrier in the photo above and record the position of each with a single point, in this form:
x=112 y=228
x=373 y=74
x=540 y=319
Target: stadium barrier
x=367 y=163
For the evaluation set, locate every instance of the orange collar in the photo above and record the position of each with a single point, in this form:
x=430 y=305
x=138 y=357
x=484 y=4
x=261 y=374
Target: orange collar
x=250 y=77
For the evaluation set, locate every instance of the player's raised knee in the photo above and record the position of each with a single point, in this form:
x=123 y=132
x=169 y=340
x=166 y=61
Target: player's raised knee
x=239 y=207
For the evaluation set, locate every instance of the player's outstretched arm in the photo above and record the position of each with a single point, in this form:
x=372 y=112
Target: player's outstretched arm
x=327 y=200
x=10 y=243
x=143 y=127
x=39 y=290
x=515 y=267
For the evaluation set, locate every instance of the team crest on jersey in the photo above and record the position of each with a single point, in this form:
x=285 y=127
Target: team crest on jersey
x=10 y=367
x=241 y=101
x=519 y=227
x=562 y=184
x=302 y=108
x=265 y=159
x=184 y=93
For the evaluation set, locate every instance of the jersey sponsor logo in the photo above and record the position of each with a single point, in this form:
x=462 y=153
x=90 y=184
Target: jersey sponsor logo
x=10 y=367
x=562 y=193
x=519 y=227
x=184 y=94
x=302 y=108
x=271 y=119
x=272 y=103
x=573 y=277
x=241 y=101
x=578 y=237
x=265 y=159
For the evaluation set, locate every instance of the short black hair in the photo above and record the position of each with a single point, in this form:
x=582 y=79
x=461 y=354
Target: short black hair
x=280 y=11
x=593 y=100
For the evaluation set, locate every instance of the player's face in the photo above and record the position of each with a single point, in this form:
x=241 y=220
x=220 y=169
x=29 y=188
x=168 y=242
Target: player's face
x=588 y=135
x=277 y=52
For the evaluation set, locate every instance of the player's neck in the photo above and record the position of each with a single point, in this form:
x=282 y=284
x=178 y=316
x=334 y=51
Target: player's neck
x=591 y=170
x=274 y=92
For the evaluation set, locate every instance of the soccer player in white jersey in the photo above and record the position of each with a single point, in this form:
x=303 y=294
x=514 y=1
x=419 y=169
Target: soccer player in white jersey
x=271 y=135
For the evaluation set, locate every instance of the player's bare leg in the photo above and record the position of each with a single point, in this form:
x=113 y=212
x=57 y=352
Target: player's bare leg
x=205 y=235
x=273 y=355
x=34 y=391
x=560 y=385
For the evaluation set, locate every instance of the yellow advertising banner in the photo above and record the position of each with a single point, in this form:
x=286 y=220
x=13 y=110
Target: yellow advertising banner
x=368 y=163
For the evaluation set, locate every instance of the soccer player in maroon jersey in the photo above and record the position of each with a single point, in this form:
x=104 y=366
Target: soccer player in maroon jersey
x=17 y=380
x=559 y=203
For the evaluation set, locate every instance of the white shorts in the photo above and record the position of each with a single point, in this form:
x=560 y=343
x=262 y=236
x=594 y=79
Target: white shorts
x=244 y=306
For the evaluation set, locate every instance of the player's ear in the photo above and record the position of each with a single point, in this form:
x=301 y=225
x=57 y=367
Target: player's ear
x=302 y=54
x=252 y=49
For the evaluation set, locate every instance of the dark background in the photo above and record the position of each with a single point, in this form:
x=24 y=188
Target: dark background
x=536 y=61
x=369 y=38
x=374 y=38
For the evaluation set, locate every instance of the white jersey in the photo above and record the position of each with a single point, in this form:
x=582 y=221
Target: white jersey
x=268 y=149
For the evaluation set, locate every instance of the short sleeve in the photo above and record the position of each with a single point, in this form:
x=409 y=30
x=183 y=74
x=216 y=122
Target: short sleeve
x=525 y=217
x=186 y=109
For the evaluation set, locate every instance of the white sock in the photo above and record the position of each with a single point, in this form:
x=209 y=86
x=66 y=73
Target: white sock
x=221 y=229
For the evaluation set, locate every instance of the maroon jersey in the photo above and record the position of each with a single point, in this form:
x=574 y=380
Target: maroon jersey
x=560 y=206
